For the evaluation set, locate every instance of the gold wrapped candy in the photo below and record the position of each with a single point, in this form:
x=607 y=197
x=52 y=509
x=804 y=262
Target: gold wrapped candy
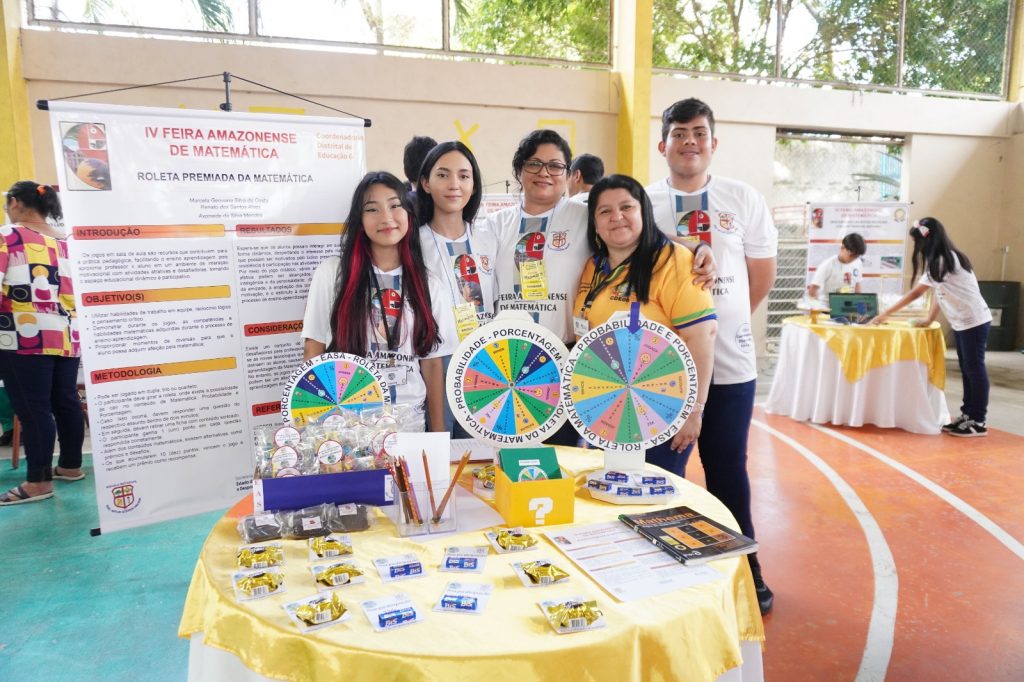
x=252 y=584
x=543 y=572
x=338 y=574
x=321 y=610
x=512 y=539
x=485 y=475
x=260 y=557
x=327 y=546
x=573 y=614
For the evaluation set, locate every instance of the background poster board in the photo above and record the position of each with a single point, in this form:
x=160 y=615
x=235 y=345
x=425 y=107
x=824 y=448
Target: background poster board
x=884 y=226
x=194 y=236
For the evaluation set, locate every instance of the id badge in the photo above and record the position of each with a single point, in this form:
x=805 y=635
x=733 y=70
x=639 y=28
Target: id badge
x=465 y=319
x=534 y=280
x=581 y=326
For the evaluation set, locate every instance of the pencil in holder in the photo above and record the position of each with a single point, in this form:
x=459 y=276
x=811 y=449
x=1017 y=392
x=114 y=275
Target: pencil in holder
x=413 y=512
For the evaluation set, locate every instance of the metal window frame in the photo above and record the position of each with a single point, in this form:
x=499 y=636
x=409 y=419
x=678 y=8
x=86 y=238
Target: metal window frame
x=253 y=37
x=777 y=78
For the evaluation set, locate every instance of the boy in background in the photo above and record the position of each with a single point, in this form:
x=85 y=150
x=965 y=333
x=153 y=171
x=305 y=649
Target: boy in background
x=842 y=272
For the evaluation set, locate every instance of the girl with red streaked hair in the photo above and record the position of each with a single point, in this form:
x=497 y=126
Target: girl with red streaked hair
x=377 y=301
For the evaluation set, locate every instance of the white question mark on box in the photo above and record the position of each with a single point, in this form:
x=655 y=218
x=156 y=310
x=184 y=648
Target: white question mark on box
x=542 y=505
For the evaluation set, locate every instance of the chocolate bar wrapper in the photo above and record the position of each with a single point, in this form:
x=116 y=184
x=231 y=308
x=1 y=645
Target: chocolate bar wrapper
x=511 y=540
x=329 y=576
x=258 y=557
x=387 y=613
x=575 y=614
x=316 y=613
x=539 y=573
x=252 y=585
x=464 y=559
x=329 y=546
x=464 y=598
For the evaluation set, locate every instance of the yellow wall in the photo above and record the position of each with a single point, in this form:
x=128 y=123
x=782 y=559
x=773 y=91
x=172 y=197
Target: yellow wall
x=966 y=165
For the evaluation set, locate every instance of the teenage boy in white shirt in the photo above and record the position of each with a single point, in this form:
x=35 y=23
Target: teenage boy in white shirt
x=733 y=219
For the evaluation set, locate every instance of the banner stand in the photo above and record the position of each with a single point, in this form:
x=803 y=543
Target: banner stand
x=44 y=104
x=193 y=236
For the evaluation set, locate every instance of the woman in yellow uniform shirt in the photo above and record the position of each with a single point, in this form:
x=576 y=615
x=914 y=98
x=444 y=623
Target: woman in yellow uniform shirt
x=632 y=261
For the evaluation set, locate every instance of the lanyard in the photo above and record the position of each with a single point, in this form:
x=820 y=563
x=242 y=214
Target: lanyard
x=379 y=295
x=601 y=279
x=546 y=222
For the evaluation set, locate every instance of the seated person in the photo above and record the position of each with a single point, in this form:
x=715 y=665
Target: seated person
x=842 y=272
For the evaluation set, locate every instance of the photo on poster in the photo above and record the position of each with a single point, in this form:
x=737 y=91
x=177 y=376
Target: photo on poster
x=84 y=148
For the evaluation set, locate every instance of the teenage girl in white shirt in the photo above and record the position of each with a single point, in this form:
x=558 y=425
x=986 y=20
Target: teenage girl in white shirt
x=948 y=271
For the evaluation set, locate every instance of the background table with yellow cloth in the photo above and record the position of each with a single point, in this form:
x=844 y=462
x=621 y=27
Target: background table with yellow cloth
x=691 y=634
x=887 y=375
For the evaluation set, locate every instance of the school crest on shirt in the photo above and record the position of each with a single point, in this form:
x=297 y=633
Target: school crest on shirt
x=726 y=222
x=485 y=263
x=621 y=293
x=559 y=241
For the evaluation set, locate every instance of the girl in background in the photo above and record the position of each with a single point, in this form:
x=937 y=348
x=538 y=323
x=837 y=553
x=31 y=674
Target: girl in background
x=376 y=300
x=39 y=349
x=948 y=271
x=459 y=255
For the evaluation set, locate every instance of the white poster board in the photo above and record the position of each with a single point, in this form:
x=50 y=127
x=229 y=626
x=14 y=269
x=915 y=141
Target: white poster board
x=194 y=235
x=884 y=226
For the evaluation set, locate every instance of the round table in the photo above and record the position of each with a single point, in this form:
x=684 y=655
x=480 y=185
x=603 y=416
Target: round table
x=691 y=634
x=889 y=375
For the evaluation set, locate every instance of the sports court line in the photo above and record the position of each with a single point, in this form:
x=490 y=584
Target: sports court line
x=962 y=506
x=882 y=625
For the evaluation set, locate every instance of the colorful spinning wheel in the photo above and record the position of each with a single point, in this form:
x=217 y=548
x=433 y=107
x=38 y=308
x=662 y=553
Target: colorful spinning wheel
x=629 y=384
x=504 y=381
x=328 y=383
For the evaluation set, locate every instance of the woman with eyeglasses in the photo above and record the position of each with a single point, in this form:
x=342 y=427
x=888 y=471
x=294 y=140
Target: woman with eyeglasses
x=542 y=243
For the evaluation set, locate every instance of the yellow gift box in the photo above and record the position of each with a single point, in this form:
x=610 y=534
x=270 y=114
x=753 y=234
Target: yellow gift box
x=546 y=502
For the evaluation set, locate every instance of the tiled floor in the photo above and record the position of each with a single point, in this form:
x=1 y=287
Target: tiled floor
x=893 y=556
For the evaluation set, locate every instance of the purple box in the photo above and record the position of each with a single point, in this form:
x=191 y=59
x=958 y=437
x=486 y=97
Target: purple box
x=372 y=486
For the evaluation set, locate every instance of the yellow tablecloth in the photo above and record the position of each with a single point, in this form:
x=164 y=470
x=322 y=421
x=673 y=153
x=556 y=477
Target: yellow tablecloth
x=690 y=634
x=861 y=348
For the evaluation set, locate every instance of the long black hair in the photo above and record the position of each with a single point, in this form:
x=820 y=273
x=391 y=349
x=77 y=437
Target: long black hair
x=40 y=198
x=352 y=303
x=652 y=241
x=933 y=251
x=425 y=202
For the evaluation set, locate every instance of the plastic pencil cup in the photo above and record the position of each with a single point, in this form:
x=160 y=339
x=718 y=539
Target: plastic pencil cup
x=412 y=513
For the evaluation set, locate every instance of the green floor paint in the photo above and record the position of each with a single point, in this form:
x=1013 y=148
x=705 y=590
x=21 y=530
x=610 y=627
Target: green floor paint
x=92 y=608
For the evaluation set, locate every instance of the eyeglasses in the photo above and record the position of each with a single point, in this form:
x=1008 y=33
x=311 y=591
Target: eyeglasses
x=554 y=167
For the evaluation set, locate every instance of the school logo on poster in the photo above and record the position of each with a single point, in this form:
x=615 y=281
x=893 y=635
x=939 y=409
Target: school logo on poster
x=122 y=497
x=559 y=241
x=726 y=222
